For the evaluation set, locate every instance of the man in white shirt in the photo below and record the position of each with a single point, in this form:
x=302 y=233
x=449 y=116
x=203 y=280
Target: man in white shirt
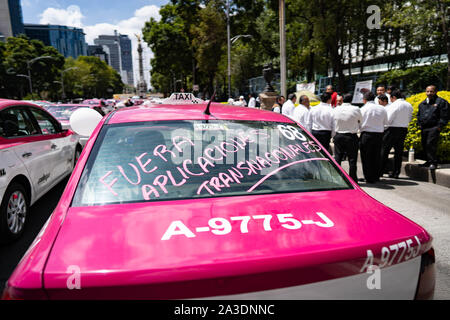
x=251 y=101
x=322 y=120
x=382 y=90
x=374 y=119
x=301 y=112
x=347 y=122
x=289 y=106
x=241 y=102
x=399 y=115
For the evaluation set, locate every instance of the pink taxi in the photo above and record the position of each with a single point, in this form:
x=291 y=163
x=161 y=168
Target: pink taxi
x=175 y=202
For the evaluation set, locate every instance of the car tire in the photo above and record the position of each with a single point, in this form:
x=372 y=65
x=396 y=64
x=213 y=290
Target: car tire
x=13 y=213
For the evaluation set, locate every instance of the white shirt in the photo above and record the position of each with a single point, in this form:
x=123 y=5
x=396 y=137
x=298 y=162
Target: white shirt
x=347 y=118
x=252 y=103
x=322 y=117
x=387 y=95
x=240 y=103
x=288 y=108
x=302 y=116
x=374 y=117
x=276 y=109
x=230 y=101
x=399 y=113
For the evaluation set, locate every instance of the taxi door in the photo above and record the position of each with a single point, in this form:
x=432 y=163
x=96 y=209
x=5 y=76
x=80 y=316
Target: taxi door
x=28 y=145
x=61 y=148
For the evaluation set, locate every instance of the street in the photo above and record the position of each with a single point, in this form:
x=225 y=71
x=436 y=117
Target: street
x=422 y=202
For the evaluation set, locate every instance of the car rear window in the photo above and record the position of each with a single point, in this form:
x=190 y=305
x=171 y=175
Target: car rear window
x=154 y=161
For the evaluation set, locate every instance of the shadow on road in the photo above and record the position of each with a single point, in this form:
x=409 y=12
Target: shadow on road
x=11 y=253
x=387 y=183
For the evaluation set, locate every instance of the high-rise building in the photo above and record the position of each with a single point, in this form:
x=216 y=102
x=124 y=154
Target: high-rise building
x=120 y=54
x=113 y=44
x=69 y=41
x=101 y=52
x=11 y=19
x=127 y=58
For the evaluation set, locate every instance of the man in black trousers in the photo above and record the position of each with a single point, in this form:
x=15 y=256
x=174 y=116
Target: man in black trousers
x=399 y=114
x=374 y=119
x=347 y=122
x=432 y=117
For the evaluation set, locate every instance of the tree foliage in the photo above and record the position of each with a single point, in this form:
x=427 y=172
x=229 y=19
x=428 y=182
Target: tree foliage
x=87 y=77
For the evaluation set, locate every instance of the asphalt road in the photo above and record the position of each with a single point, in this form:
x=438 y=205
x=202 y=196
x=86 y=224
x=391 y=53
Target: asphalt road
x=10 y=254
x=422 y=202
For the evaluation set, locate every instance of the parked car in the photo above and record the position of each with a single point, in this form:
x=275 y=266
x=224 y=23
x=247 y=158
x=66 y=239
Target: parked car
x=62 y=113
x=188 y=201
x=98 y=105
x=35 y=154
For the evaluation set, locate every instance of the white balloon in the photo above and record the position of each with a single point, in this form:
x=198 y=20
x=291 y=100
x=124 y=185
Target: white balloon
x=84 y=120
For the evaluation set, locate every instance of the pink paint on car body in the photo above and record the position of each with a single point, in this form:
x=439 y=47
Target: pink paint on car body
x=121 y=254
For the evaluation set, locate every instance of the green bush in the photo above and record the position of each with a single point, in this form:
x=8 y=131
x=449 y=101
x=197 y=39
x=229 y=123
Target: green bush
x=414 y=133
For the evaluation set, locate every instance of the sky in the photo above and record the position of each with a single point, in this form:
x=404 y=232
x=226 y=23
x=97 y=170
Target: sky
x=97 y=17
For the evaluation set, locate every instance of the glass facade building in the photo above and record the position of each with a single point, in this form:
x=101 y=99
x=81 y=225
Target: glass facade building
x=69 y=41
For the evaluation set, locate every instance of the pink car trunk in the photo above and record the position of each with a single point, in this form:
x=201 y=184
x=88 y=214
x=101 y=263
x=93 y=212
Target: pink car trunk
x=185 y=248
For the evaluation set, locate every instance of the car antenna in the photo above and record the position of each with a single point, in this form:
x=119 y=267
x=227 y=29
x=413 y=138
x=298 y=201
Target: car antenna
x=209 y=103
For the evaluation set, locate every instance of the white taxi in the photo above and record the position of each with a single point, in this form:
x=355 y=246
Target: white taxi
x=35 y=154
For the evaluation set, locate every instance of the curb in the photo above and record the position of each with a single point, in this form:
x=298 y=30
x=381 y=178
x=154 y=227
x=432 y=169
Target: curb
x=440 y=176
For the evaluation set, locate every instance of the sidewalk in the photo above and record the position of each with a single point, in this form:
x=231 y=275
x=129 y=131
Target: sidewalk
x=440 y=176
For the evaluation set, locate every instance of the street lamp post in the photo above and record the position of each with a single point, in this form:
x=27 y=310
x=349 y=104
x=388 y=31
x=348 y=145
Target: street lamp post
x=230 y=42
x=29 y=63
x=229 y=48
x=282 y=48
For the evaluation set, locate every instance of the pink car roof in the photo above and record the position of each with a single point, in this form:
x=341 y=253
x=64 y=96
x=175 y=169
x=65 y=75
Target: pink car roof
x=9 y=103
x=193 y=112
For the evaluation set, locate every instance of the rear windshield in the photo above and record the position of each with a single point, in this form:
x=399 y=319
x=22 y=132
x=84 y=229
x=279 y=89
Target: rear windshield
x=63 y=112
x=153 y=161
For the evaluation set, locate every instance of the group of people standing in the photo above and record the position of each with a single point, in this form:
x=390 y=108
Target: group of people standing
x=382 y=124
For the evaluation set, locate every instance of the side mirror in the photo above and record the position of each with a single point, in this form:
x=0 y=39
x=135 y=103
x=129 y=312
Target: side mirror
x=84 y=120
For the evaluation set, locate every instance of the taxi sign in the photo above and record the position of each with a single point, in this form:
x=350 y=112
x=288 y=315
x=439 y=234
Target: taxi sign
x=182 y=98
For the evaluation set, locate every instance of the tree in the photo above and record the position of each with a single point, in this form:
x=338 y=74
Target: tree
x=423 y=27
x=210 y=40
x=17 y=54
x=169 y=41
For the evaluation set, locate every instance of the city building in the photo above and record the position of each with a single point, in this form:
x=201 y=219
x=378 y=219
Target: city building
x=11 y=19
x=69 y=41
x=127 y=59
x=101 y=52
x=120 y=54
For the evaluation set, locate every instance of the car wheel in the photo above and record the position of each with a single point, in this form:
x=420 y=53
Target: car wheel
x=13 y=213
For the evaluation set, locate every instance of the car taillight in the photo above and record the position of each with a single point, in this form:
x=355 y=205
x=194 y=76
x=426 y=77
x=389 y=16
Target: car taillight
x=7 y=295
x=427 y=278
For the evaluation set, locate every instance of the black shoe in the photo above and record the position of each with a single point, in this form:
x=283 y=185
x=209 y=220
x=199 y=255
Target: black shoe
x=394 y=175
